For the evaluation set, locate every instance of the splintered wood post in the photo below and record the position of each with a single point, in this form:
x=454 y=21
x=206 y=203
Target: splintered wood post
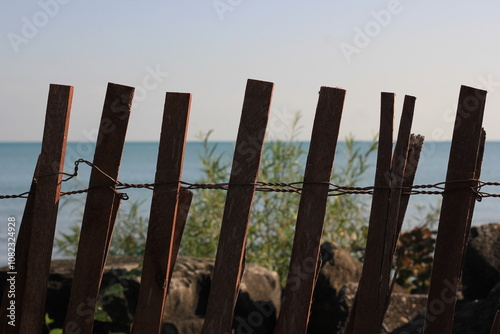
x=20 y=265
x=397 y=174
x=159 y=254
x=403 y=169
x=100 y=210
x=414 y=150
x=48 y=187
x=366 y=312
x=230 y=258
x=495 y=328
x=455 y=211
x=294 y=314
x=413 y=156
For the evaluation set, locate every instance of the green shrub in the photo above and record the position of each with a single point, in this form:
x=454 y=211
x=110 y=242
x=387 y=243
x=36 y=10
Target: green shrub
x=129 y=235
x=274 y=214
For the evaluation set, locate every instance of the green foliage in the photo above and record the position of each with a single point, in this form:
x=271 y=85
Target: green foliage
x=129 y=235
x=48 y=322
x=347 y=215
x=202 y=228
x=67 y=243
x=274 y=214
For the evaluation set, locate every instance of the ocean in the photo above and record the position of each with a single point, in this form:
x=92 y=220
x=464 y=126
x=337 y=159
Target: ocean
x=139 y=164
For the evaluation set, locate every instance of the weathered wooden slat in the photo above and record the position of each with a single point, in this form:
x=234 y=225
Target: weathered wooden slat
x=402 y=173
x=185 y=198
x=477 y=176
x=230 y=257
x=455 y=211
x=415 y=148
x=50 y=167
x=398 y=167
x=365 y=314
x=112 y=222
x=294 y=314
x=160 y=243
x=20 y=266
x=495 y=328
x=413 y=156
x=100 y=207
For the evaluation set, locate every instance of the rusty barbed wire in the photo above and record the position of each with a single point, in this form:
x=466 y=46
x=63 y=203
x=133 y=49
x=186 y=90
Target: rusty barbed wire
x=281 y=187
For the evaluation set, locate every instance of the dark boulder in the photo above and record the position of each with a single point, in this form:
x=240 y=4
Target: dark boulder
x=470 y=316
x=337 y=269
x=256 y=309
x=402 y=307
x=336 y=289
x=482 y=261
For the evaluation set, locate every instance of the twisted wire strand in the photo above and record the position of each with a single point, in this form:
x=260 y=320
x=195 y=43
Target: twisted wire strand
x=280 y=187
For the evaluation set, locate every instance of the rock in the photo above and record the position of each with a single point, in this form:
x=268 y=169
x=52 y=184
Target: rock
x=256 y=308
x=337 y=269
x=470 y=316
x=335 y=290
x=482 y=261
x=402 y=307
x=255 y=312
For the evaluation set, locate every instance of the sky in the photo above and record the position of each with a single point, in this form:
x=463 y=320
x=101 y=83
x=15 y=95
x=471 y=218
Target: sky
x=426 y=49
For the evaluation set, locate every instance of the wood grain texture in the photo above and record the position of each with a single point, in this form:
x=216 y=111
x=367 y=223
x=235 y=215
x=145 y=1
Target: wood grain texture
x=100 y=210
x=365 y=315
x=161 y=244
x=48 y=187
x=230 y=260
x=455 y=211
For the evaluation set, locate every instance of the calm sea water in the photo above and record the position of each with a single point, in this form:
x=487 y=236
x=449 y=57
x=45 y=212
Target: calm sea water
x=17 y=161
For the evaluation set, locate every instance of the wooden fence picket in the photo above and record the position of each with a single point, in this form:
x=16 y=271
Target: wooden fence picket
x=366 y=311
x=230 y=258
x=455 y=212
x=414 y=150
x=165 y=223
x=21 y=259
x=397 y=175
x=393 y=187
x=100 y=210
x=185 y=198
x=46 y=202
x=303 y=269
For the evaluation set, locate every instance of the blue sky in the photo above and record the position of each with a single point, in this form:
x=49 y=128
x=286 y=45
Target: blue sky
x=210 y=48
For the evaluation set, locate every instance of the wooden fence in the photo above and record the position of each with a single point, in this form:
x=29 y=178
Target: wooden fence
x=395 y=171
